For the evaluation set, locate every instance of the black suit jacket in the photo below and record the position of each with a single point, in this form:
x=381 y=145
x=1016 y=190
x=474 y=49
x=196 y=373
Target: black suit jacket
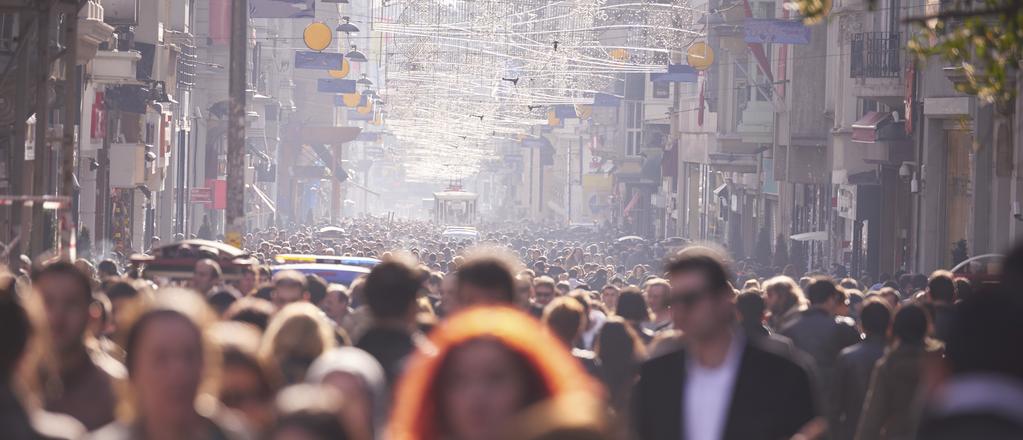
x=772 y=397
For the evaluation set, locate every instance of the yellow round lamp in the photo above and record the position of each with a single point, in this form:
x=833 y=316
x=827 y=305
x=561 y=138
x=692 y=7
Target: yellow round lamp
x=317 y=36
x=351 y=99
x=345 y=68
x=700 y=56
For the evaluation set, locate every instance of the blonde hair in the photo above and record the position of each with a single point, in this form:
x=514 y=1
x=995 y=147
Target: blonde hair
x=299 y=332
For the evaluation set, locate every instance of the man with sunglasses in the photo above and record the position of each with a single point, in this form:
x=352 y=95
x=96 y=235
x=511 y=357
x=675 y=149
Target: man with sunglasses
x=719 y=385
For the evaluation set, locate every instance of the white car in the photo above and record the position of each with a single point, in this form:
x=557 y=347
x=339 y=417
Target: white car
x=461 y=234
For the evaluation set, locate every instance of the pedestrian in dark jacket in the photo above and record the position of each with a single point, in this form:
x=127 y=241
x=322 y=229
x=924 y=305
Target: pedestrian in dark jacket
x=719 y=385
x=853 y=368
x=821 y=334
x=941 y=294
x=893 y=403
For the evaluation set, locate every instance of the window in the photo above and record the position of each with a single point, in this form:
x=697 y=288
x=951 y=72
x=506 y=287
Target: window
x=661 y=90
x=8 y=30
x=633 y=127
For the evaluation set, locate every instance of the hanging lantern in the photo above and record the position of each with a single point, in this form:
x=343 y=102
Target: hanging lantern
x=700 y=56
x=317 y=36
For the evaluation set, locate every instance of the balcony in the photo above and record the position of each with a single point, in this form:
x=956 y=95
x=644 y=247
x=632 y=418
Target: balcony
x=876 y=55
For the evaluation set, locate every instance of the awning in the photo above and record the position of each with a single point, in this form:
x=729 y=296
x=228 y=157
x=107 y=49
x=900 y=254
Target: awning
x=721 y=191
x=263 y=199
x=811 y=236
x=325 y=134
x=357 y=185
x=878 y=127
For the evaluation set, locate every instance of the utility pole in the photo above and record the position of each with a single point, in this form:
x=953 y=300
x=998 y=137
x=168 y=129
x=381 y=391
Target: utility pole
x=235 y=214
x=70 y=120
x=41 y=164
x=17 y=162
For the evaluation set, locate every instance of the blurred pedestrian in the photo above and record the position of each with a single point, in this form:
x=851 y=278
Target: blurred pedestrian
x=718 y=386
x=854 y=366
x=488 y=365
x=820 y=333
x=171 y=362
x=22 y=338
x=619 y=353
x=296 y=336
x=361 y=380
x=892 y=408
x=391 y=290
x=84 y=379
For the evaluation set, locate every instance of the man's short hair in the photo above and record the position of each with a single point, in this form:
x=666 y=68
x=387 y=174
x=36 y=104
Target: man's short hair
x=251 y=310
x=544 y=281
x=661 y=282
x=632 y=306
x=391 y=289
x=941 y=286
x=489 y=273
x=217 y=271
x=64 y=268
x=750 y=305
x=317 y=288
x=706 y=261
x=290 y=277
x=340 y=290
x=875 y=316
x=564 y=316
x=820 y=290
x=910 y=324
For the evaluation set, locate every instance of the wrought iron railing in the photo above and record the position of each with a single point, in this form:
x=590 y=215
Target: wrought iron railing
x=876 y=55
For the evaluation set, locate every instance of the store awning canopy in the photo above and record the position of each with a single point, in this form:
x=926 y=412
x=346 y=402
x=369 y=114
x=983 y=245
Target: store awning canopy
x=327 y=135
x=263 y=199
x=721 y=191
x=879 y=127
x=811 y=236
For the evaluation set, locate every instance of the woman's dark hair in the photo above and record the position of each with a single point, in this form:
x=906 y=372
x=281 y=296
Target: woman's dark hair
x=121 y=289
x=875 y=317
x=251 y=310
x=910 y=324
x=620 y=351
x=15 y=327
x=632 y=306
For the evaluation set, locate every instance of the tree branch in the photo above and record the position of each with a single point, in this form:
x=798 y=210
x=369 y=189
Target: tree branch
x=1009 y=8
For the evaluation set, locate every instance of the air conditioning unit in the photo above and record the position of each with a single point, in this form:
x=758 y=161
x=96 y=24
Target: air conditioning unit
x=127 y=165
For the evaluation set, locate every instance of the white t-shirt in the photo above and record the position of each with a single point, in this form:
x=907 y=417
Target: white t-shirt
x=708 y=394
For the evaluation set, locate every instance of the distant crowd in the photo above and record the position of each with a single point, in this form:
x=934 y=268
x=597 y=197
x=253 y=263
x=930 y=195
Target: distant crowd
x=531 y=332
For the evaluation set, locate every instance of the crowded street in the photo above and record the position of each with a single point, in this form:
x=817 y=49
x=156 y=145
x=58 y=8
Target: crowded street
x=511 y=220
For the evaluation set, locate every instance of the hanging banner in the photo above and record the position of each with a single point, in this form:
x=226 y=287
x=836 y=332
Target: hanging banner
x=678 y=73
x=305 y=59
x=606 y=100
x=332 y=85
x=282 y=8
x=766 y=30
x=564 y=111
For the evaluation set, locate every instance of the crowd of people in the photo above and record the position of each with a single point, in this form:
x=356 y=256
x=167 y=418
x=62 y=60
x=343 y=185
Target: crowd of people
x=531 y=333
